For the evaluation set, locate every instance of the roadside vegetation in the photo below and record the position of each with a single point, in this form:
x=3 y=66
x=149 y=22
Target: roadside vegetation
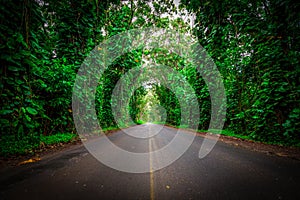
x=255 y=45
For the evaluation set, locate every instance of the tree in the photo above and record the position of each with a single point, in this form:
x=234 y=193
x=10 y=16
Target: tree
x=255 y=45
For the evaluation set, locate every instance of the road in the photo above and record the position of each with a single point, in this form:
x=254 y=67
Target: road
x=228 y=172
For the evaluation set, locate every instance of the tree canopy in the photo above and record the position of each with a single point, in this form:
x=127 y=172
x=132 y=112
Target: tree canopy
x=254 y=44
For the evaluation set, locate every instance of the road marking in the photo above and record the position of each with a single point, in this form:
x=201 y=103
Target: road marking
x=151 y=172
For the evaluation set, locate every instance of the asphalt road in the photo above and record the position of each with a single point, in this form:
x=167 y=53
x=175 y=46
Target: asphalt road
x=228 y=172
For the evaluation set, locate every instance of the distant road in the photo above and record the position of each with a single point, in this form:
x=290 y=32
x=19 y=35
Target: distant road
x=228 y=172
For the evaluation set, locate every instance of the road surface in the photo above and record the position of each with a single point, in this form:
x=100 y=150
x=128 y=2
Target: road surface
x=228 y=172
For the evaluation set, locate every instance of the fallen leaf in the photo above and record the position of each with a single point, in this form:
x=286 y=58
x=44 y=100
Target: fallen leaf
x=31 y=160
x=281 y=154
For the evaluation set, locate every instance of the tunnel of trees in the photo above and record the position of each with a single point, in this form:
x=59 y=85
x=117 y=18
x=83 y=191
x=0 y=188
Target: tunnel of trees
x=254 y=44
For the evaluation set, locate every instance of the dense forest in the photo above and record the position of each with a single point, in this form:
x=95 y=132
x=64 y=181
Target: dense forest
x=254 y=44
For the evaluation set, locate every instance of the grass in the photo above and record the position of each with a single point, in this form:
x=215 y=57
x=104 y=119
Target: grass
x=240 y=136
x=10 y=146
x=139 y=122
x=161 y=123
x=28 y=144
x=114 y=128
x=58 y=138
x=246 y=137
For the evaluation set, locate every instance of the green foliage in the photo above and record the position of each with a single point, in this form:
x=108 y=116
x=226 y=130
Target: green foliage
x=44 y=43
x=137 y=104
x=169 y=101
x=257 y=53
x=10 y=146
x=42 y=47
x=57 y=138
x=139 y=122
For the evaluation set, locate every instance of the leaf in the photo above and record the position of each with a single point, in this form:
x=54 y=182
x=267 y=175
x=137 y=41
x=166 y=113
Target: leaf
x=27 y=118
x=5 y=112
x=14 y=69
x=31 y=160
x=4 y=122
x=15 y=123
x=20 y=129
x=32 y=111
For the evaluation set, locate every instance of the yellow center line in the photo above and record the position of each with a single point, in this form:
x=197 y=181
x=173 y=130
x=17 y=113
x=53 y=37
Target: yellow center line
x=151 y=172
